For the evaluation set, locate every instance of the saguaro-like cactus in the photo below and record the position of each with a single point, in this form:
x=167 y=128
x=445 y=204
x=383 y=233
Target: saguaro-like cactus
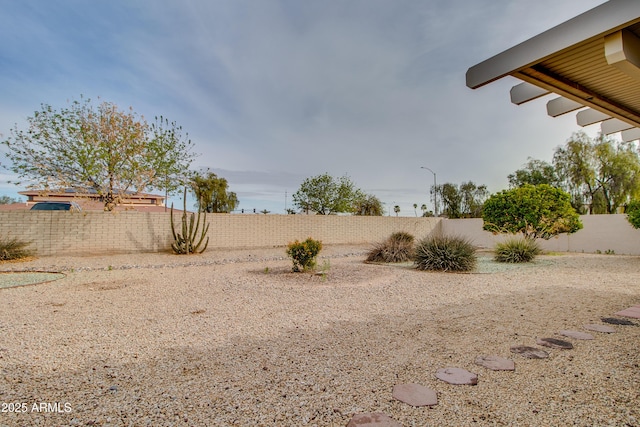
x=188 y=242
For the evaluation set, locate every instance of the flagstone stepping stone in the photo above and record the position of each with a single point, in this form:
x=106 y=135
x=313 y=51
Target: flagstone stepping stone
x=529 y=352
x=630 y=312
x=600 y=328
x=577 y=335
x=457 y=376
x=614 y=321
x=415 y=395
x=496 y=363
x=555 y=343
x=373 y=419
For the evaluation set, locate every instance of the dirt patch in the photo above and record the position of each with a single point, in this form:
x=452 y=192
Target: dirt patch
x=10 y=279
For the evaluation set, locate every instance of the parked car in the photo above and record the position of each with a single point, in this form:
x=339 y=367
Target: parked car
x=56 y=206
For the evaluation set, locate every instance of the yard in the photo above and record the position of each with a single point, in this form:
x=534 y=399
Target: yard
x=233 y=338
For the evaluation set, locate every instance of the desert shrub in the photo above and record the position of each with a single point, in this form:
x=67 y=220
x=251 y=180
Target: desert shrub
x=516 y=250
x=633 y=213
x=304 y=254
x=402 y=236
x=445 y=253
x=397 y=248
x=13 y=248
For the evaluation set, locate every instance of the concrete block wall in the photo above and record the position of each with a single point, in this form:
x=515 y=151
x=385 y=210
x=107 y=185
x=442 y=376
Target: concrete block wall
x=87 y=233
x=278 y=230
x=95 y=233
x=599 y=233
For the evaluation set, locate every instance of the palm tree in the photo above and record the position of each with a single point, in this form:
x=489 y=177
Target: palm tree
x=396 y=209
x=424 y=209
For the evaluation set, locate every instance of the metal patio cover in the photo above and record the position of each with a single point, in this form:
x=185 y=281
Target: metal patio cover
x=592 y=61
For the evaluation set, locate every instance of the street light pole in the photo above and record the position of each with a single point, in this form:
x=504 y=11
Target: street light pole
x=435 y=190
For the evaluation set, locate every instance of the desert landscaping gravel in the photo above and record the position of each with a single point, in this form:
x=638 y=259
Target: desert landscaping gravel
x=233 y=338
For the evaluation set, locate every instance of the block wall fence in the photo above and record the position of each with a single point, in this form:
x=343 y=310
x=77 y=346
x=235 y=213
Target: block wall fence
x=101 y=233
x=95 y=233
x=599 y=233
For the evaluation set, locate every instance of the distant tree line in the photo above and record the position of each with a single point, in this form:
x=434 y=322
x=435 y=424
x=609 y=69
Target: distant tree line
x=600 y=174
x=7 y=200
x=326 y=195
x=114 y=153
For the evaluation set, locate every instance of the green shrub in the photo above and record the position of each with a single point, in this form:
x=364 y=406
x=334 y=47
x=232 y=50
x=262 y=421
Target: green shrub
x=304 y=254
x=633 y=213
x=516 y=250
x=533 y=210
x=397 y=248
x=12 y=248
x=445 y=253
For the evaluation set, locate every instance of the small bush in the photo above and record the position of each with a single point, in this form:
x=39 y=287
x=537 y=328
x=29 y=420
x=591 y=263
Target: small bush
x=445 y=253
x=633 y=213
x=402 y=236
x=13 y=248
x=397 y=248
x=304 y=254
x=516 y=250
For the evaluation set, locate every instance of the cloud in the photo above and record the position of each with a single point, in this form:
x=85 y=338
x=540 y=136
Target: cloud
x=275 y=91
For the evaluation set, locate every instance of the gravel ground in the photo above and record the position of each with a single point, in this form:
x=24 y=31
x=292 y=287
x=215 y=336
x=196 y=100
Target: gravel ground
x=233 y=338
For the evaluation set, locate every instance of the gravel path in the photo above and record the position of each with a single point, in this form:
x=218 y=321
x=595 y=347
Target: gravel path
x=233 y=338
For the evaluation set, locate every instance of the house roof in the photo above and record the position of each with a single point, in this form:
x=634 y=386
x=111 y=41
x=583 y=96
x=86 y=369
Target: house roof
x=592 y=61
x=130 y=198
x=89 y=200
x=70 y=192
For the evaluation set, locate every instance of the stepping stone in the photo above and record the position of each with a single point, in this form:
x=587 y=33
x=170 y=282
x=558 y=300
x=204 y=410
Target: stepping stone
x=630 y=312
x=373 y=419
x=530 y=352
x=457 y=376
x=555 y=343
x=415 y=395
x=614 y=321
x=577 y=335
x=599 y=328
x=496 y=363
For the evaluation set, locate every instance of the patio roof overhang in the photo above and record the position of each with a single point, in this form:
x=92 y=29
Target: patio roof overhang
x=591 y=61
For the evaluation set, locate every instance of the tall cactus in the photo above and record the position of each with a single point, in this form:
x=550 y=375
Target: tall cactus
x=185 y=242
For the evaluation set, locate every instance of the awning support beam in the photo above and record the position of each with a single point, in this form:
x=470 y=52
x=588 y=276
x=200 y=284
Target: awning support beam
x=590 y=116
x=525 y=92
x=622 y=50
x=561 y=105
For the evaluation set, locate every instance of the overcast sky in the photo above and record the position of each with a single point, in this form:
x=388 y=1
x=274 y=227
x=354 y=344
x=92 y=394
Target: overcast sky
x=274 y=91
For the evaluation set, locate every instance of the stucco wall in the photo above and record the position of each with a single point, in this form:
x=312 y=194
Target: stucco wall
x=127 y=232
x=600 y=233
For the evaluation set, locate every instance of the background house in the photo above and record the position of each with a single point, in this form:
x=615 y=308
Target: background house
x=90 y=200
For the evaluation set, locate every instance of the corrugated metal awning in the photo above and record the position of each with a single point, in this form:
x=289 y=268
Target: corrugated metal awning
x=592 y=61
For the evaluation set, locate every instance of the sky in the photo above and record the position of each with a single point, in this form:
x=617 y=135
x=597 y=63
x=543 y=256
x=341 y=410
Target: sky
x=272 y=92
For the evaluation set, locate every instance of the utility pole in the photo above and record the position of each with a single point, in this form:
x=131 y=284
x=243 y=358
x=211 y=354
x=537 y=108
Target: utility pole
x=435 y=190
